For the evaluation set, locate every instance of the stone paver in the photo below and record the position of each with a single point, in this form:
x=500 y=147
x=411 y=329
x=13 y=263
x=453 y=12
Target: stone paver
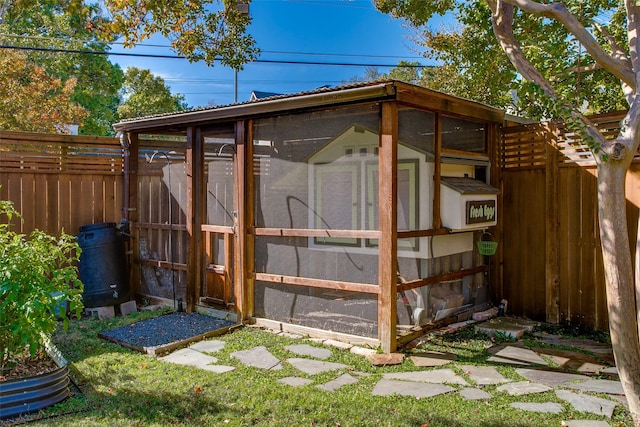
x=585 y=423
x=211 y=346
x=546 y=407
x=612 y=370
x=432 y=358
x=599 y=386
x=257 y=357
x=438 y=376
x=522 y=388
x=585 y=403
x=514 y=328
x=471 y=393
x=126 y=308
x=341 y=381
x=517 y=356
x=388 y=387
x=190 y=357
x=338 y=344
x=309 y=350
x=313 y=367
x=187 y=356
x=484 y=375
x=386 y=359
x=295 y=381
x=362 y=351
x=428 y=383
x=550 y=378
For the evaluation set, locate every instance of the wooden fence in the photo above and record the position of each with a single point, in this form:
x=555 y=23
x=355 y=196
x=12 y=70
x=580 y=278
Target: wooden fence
x=550 y=266
x=61 y=182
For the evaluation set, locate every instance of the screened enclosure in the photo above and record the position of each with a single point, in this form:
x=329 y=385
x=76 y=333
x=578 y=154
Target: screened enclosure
x=324 y=210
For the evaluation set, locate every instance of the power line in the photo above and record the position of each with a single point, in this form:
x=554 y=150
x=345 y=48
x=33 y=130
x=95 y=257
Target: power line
x=166 y=46
x=147 y=55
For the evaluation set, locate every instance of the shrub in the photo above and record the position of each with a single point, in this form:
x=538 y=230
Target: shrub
x=38 y=285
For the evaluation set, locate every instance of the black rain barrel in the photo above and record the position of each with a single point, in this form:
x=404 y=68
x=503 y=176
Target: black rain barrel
x=103 y=265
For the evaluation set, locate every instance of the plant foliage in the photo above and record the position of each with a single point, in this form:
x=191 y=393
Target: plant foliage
x=38 y=278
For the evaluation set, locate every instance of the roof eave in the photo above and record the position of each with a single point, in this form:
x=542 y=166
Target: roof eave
x=385 y=90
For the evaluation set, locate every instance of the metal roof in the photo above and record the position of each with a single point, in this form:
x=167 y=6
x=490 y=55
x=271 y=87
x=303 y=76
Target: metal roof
x=324 y=96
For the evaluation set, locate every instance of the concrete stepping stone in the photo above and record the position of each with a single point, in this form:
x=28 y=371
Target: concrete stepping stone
x=438 y=376
x=295 y=381
x=621 y=400
x=599 y=386
x=189 y=357
x=572 y=360
x=612 y=370
x=429 y=359
x=585 y=423
x=388 y=387
x=333 y=385
x=550 y=378
x=257 y=357
x=484 y=375
x=471 y=393
x=309 y=350
x=212 y=346
x=522 y=388
x=517 y=356
x=313 y=367
x=515 y=328
x=546 y=407
x=585 y=403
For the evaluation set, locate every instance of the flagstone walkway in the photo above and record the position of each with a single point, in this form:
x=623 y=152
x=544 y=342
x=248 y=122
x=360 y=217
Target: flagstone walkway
x=435 y=374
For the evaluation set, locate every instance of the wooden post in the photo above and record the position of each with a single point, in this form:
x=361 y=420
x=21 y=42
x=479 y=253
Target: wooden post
x=494 y=143
x=388 y=220
x=552 y=227
x=249 y=203
x=130 y=146
x=437 y=171
x=194 y=157
x=243 y=221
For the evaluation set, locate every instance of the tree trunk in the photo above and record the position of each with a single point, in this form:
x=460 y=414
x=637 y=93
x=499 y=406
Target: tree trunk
x=619 y=278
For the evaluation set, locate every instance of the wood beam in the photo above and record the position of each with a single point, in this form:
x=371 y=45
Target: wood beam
x=388 y=221
x=194 y=156
x=552 y=229
x=437 y=171
x=243 y=221
x=130 y=204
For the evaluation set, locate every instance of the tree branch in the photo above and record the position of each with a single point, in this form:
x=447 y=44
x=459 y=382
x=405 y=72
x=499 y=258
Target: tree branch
x=4 y=7
x=502 y=18
x=633 y=31
x=616 y=50
x=559 y=12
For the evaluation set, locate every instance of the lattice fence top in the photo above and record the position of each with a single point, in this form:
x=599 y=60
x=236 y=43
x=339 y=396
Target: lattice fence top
x=44 y=153
x=525 y=146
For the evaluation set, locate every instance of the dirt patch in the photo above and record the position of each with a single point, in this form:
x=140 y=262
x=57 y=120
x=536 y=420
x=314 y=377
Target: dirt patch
x=28 y=366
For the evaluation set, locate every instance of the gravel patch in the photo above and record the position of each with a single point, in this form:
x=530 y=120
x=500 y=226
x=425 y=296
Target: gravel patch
x=165 y=329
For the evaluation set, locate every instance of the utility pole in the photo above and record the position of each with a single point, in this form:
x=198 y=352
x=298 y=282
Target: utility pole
x=243 y=8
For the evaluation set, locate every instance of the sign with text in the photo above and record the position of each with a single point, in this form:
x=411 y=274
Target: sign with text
x=479 y=211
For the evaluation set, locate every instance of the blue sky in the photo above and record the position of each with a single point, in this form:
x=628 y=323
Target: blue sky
x=343 y=31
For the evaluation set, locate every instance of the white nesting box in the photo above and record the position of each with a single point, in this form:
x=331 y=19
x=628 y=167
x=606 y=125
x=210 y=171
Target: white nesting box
x=467 y=204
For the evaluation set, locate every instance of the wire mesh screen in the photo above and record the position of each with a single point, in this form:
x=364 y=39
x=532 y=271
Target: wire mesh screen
x=339 y=311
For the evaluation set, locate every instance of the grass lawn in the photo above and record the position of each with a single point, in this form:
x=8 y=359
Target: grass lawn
x=121 y=387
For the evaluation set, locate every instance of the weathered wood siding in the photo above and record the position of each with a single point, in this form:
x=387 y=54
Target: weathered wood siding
x=551 y=263
x=61 y=182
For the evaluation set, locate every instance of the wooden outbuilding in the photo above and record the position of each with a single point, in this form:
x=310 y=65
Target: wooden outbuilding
x=352 y=211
